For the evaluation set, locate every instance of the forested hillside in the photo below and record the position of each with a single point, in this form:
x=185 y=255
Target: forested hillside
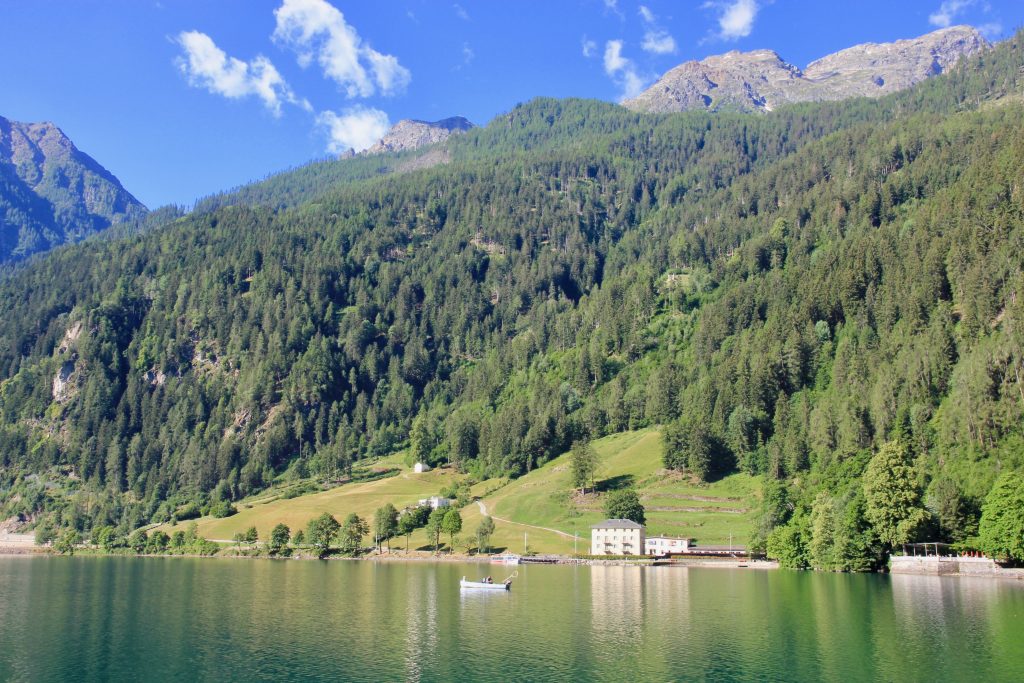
x=787 y=293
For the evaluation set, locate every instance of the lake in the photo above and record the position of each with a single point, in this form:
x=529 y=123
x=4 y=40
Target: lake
x=161 y=619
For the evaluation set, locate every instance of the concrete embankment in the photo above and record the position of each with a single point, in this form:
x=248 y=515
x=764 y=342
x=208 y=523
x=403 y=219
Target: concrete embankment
x=17 y=544
x=951 y=566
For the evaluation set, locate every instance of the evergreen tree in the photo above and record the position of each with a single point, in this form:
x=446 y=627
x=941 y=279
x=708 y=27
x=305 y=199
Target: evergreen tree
x=583 y=463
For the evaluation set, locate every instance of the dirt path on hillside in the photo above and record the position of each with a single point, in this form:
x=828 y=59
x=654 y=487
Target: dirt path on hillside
x=483 y=511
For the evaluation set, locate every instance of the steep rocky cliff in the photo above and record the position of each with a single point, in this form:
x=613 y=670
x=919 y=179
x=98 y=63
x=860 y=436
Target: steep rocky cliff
x=412 y=134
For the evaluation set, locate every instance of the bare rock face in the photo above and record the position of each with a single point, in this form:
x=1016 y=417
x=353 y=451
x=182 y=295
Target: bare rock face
x=51 y=193
x=761 y=80
x=411 y=134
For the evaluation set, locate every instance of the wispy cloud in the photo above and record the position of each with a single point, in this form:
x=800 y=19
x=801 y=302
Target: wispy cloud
x=588 y=46
x=207 y=66
x=656 y=39
x=613 y=7
x=991 y=30
x=355 y=128
x=948 y=11
x=317 y=29
x=461 y=12
x=622 y=70
x=467 y=54
x=735 y=18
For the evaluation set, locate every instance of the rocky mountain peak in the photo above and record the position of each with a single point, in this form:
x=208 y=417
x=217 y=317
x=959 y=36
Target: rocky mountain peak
x=412 y=134
x=51 y=192
x=760 y=80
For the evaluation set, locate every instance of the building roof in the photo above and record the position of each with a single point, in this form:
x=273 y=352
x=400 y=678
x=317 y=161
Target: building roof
x=617 y=524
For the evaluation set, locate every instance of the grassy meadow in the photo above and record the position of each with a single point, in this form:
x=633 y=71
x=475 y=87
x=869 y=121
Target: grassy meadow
x=536 y=506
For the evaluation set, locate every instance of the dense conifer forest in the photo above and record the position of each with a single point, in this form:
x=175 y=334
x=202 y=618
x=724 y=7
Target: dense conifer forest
x=799 y=295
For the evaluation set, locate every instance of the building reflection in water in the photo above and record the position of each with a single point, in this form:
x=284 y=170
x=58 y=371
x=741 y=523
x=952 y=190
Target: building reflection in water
x=638 y=613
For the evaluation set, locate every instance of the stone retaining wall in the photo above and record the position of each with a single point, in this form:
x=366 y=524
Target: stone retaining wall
x=943 y=566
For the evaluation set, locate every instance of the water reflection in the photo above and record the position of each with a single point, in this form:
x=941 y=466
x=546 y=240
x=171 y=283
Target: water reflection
x=969 y=612
x=421 y=622
x=617 y=602
x=128 y=619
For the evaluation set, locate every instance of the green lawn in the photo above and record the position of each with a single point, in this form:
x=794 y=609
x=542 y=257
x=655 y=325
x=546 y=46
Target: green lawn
x=676 y=505
x=362 y=498
x=543 y=498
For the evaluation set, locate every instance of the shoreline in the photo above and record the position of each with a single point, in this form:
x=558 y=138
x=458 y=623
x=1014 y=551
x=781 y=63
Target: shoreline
x=36 y=551
x=684 y=563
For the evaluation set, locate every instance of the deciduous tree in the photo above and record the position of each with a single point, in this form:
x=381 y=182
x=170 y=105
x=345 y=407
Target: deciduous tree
x=892 y=497
x=625 y=504
x=1001 y=532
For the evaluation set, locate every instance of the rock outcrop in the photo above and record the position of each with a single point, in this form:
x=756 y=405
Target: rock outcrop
x=410 y=134
x=761 y=80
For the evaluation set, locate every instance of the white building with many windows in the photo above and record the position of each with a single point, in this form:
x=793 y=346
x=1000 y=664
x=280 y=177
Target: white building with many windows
x=617 y=537
x=665 y=545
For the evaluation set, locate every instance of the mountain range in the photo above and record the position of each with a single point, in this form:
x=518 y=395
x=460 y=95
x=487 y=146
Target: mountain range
x=51 y=193
x=762 y=81
x=789 y=295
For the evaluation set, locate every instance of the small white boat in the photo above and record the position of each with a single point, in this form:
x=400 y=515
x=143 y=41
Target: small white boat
x=505 y=558
x=487 y=584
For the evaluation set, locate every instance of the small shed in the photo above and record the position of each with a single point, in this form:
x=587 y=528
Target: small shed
x=421 y=467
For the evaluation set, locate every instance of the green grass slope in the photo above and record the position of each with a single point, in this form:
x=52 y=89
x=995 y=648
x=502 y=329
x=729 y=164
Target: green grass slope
x=675 y=505
x=362 y=498
x=539 y=510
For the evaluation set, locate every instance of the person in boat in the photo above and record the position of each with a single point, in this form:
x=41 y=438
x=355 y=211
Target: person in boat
x=488 y=580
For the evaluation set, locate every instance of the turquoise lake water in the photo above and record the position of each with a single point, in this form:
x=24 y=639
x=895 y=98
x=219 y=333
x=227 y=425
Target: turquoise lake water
x=171 y=619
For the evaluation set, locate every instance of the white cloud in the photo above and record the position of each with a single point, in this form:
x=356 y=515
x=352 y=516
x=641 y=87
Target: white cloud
x=460 y=12
x=658 y=43
x=657 y=40
x=736 y=19
x=355 y=128
x=467 y=54
x=317 y=29
x=622 y=70
x=589 y=47
x=613 y=59
x=207 y=66
x=946 y=14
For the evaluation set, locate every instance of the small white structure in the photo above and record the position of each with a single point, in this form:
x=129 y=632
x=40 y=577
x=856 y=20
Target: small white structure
x=435 y=502
x=617 y=537
x=421 y=467
x=663 y=545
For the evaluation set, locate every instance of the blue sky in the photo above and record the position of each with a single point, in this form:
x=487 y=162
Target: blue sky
x=183 y=98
